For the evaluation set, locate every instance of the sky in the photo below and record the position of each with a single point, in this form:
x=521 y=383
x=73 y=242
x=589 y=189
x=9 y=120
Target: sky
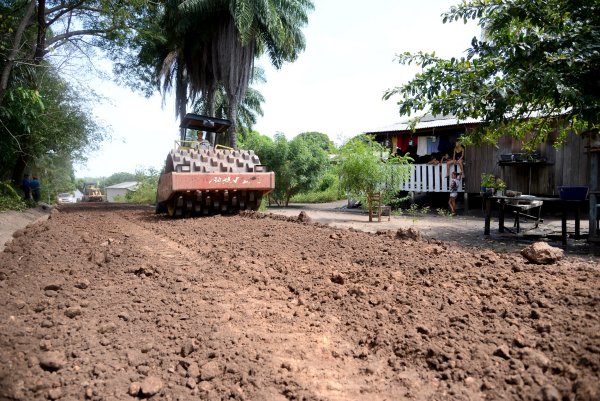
x=335 y=86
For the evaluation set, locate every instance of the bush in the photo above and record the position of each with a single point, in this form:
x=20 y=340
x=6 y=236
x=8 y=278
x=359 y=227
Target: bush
x=331 y=195
x=144 y=194
x=10 y=199
x=328 y=181
x=327 y=191
x=396 y=200
x=146 y=190
x=263 y=205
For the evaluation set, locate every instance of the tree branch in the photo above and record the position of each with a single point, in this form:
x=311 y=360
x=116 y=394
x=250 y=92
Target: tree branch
x=7 y=69
x=67 y=35
x=62 y=12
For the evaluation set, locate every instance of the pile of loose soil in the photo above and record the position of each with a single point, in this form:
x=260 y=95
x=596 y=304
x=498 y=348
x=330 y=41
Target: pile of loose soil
x=11 y=221
x=105 y=302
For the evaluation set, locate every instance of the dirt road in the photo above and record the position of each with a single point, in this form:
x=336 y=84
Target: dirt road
x=106 y=302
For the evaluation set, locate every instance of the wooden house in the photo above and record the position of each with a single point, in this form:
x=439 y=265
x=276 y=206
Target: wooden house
x=540 y=174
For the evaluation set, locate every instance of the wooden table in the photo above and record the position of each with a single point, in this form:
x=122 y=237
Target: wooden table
x=566 y=205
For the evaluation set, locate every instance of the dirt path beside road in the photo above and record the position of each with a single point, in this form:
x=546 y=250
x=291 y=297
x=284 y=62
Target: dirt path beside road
x=11 y=221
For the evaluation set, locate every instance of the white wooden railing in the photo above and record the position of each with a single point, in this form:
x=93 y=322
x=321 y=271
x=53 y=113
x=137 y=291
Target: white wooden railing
x=429 y=178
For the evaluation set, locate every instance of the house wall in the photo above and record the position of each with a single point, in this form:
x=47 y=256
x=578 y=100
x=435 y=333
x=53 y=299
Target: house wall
x=567 y=166
x=112 y=192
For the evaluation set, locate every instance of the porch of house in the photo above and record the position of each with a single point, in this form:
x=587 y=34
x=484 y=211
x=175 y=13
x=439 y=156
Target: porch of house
x=430 y=178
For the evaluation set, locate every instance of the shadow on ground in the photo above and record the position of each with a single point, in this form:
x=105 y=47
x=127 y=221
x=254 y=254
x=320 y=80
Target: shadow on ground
x=465 y=229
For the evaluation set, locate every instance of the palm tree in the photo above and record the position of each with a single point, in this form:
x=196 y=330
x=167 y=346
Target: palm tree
x=249 y=108
x=205 y=44
x=223 y=37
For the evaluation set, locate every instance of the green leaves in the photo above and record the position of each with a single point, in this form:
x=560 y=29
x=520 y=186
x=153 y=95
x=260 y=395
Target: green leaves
x=535 y=60
x=362 y=169
x=298 y=164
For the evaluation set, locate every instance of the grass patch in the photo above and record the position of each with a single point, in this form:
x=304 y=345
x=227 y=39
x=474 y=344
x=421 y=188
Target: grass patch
x=443 y=212
x=330 y=195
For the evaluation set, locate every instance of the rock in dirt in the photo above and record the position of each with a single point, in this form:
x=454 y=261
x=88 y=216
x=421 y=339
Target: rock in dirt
x=107 y=328
x=55 y=394
x=193 y=370
x=188 y=347
x=52 y=361
x=337 y=278
x=210 y=370
x=73 y=312
x=82 y=284
x=191 y=383
x=542 y=254
x=502 y=352
x=533 y=357
x=304 y=218
x=150 y=386
x=586 y=391
x=134 y=388
x=19 y=233
x=53 y=287
x=408 y=233
x=550 y=393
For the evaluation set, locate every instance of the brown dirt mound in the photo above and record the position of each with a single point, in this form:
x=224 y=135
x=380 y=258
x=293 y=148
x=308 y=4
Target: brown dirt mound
x=109 y=303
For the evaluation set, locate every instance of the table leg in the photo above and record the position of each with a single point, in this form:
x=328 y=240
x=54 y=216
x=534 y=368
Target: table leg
x=564 y=223
x=488 y=215
x=577 y=220
x=501 y=217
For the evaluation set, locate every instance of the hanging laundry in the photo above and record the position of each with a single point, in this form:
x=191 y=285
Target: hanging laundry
x=432 y=144
x=403 y=143
x=422 y=147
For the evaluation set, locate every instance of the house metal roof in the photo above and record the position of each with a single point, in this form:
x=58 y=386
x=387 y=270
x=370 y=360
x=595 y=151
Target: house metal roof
x=428 y=121
x=124 y=185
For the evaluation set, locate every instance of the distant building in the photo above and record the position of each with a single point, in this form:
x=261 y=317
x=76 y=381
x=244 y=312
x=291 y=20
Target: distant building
x=120 y=190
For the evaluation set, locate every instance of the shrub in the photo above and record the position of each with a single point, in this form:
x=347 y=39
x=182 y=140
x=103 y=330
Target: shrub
x=10 y=199
x=327 y=191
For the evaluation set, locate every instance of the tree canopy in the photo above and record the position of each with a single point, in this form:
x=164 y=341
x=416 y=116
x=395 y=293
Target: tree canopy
x=536 y=60
x=298 y=164
x=195 y=47
x=40 y=112
x=320 y=139
x=249 y=108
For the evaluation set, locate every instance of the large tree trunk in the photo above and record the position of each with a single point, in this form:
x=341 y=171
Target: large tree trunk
x=181 y=95
x=209 y=98
x=40 y=48
x=232 y=116
x=15 y=49
x=19 y=168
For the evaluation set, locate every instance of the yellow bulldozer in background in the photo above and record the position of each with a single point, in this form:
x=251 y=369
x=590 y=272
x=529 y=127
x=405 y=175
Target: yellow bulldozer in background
x=92 y=193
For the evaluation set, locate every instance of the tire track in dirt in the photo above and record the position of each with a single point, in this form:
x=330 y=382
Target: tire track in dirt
x=286 y=344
